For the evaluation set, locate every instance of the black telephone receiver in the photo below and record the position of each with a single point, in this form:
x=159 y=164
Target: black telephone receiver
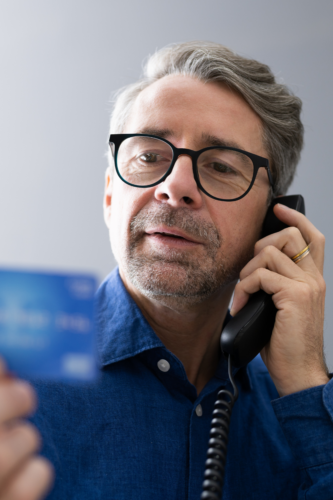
x=242 y=339
x=250 y=330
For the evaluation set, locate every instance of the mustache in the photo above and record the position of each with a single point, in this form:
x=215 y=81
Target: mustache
x=181 y=218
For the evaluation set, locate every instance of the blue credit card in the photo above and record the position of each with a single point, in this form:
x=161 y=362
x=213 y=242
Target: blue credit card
x=47 y=325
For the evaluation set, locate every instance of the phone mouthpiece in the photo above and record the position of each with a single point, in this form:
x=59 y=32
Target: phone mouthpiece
x=250 y=330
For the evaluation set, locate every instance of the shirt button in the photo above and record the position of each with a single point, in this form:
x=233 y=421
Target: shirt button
x=198 y=411
x=163 y=365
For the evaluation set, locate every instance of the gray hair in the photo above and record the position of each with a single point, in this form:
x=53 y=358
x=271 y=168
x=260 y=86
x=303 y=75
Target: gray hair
x=275 y=104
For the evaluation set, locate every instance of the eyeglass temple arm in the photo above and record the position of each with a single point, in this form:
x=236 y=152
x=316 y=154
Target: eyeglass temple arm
x=112 y=147
x=270 y=178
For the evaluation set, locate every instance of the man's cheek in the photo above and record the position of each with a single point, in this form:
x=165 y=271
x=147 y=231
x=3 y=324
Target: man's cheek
x=238 y=246
x=116 y=236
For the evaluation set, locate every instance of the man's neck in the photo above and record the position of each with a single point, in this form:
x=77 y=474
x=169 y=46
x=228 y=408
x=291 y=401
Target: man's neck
x=190 y=331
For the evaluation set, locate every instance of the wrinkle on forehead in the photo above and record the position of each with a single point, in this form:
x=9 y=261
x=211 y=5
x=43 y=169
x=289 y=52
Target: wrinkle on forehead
x=184 y=105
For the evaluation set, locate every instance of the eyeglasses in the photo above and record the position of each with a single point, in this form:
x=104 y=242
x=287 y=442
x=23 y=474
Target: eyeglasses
x=223 y=173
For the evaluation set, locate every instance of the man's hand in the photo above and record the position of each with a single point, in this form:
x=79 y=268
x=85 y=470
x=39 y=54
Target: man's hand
x=22 y=474
x=294 y=356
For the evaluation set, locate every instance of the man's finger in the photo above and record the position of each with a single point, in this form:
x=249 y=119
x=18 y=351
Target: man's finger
x=16 y=445
x=3 y=368
x=32 y=482
x=309 y=232
x=271 y=258
x=17 y=399
x=260 y=279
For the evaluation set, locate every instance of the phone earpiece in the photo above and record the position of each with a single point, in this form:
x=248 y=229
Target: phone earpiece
x=271 y=223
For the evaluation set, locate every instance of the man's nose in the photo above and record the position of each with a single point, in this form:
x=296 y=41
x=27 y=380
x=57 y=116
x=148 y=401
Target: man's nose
x=180 y=188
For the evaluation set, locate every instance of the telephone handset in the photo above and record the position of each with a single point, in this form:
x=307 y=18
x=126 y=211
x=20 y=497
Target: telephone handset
x=250 y=330
x=241 y=340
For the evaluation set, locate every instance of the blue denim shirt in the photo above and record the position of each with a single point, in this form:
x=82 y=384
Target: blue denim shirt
x=137 y=433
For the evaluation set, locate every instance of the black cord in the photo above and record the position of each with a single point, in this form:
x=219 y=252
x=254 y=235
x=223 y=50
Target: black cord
x=217 y=445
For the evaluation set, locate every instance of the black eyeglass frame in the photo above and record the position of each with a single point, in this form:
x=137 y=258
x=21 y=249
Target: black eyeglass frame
x=258 y=162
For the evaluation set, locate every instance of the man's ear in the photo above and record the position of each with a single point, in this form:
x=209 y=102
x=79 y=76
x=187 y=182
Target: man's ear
x=107 y=196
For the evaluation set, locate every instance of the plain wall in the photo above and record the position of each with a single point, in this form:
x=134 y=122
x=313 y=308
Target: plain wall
x=60 y=63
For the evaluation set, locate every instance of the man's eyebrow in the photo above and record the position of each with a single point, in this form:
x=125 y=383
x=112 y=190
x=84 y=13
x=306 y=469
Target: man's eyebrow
x=163 y=133
x=207 y=139
x=212 y=140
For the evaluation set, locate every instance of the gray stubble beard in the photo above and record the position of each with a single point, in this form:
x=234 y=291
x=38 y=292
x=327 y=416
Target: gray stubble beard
x=178 y=276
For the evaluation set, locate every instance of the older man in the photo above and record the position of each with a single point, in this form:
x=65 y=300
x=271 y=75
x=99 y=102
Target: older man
x=186 y=195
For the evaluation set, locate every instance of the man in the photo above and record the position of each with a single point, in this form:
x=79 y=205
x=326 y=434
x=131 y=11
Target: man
x=184 y=227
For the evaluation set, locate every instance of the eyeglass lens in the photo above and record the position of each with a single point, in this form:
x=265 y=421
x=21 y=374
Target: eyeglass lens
x=223 y=173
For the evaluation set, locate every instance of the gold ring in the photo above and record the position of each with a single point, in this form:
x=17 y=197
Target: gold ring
x=301 y=255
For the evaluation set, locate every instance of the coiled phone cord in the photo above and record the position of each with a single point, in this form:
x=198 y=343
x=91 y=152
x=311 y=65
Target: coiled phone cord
x=217 y=445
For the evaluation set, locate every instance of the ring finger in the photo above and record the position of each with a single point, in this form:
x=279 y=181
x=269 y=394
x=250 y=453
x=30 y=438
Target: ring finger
x=290 y=242
x=273 y=259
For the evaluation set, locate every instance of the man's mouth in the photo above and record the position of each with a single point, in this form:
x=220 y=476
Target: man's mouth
x=171 y=236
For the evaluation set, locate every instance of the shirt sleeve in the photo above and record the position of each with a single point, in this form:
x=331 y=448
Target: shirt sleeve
x=306 y=419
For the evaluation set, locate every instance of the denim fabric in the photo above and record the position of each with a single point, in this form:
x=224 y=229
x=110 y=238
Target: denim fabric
x=135 y=433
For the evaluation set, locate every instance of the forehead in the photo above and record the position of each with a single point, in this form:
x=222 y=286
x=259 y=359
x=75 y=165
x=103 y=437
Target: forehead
x=190 y=108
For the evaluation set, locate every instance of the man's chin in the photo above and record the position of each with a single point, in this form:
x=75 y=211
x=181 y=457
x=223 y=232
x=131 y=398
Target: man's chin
x=161 y=278
x=167 y=281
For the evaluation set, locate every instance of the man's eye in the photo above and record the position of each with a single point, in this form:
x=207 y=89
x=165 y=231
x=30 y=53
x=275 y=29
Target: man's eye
x=149 y=157
x=222 y=168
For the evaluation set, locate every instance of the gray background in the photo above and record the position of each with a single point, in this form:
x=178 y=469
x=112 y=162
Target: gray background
x=60 y=63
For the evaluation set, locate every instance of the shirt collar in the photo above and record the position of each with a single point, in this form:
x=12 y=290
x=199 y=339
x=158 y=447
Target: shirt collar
x=123 y=332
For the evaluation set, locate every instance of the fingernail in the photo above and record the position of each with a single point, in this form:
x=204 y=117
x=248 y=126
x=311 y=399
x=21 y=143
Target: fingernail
x=283 y=206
